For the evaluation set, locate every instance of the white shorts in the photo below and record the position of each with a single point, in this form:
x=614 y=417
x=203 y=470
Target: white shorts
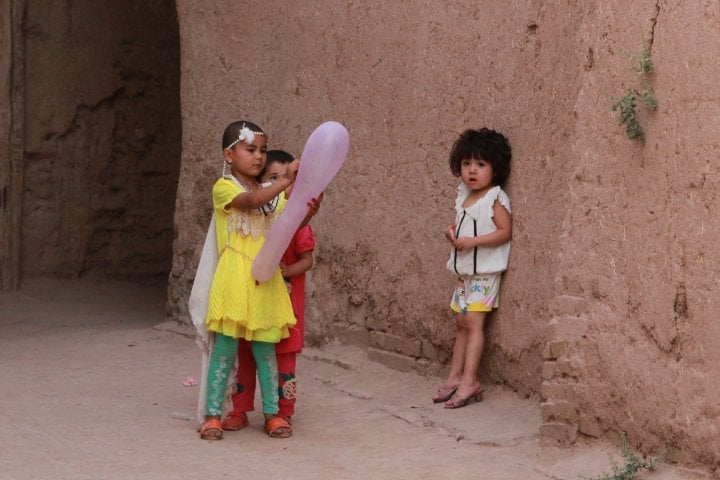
x=476 y=294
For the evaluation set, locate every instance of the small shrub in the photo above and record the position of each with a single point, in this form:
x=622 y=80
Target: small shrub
x=627 y=105
x=648 y=98
x=644 y=62
x=632 y=464
x=627 y=115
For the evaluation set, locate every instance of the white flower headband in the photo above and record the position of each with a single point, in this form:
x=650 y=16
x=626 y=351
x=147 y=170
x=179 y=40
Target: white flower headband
x=246 y=135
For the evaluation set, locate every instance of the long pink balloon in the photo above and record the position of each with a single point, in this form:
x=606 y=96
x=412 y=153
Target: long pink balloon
x=321 y=159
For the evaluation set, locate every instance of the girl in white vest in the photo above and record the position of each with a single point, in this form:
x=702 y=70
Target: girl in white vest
x=480 y=237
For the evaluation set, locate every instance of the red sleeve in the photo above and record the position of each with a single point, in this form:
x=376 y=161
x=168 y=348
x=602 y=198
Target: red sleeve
x=304 y=240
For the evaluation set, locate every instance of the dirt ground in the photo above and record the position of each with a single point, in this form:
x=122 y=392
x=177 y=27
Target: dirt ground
x=92 y=388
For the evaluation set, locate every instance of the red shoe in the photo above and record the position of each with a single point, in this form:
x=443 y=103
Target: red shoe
x=236 y=421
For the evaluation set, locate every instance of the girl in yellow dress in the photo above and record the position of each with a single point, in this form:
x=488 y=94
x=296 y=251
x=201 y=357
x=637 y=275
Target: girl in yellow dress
x=239 y=307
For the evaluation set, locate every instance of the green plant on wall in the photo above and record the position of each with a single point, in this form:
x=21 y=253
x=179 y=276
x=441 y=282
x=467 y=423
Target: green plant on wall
x=627 y=105
x=631 y=465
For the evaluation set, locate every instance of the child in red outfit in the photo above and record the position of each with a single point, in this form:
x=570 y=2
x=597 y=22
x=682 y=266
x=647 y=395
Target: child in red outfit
x=297 y=259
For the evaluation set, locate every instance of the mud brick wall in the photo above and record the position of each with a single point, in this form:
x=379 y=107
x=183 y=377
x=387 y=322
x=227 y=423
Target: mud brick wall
x=633 y=334
x=608 y=309
x=405 y=80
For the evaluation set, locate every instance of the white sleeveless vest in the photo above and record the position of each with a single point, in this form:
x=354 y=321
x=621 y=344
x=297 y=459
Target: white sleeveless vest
x=475 y=221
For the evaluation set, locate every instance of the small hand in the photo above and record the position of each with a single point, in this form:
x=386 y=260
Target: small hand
x=450 y=233
x=464 y=243
x=283 y=269
x=292 y=170
x=314 y=204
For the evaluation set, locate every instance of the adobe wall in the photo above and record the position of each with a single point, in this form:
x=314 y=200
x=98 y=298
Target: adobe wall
x=635 y=336
x=405 y=80
x=607 y=308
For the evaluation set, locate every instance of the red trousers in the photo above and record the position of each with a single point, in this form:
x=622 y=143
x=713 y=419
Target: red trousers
x=243 y=400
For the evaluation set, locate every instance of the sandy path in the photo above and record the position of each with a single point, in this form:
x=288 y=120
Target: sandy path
x=89 y=389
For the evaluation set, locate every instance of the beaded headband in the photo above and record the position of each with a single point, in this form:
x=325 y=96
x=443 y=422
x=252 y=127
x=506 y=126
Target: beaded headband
x=246 y=135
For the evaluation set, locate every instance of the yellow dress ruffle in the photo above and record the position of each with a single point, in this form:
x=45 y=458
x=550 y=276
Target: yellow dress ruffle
x=238 y=307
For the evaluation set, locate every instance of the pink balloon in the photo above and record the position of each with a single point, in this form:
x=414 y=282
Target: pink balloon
x=321 y=159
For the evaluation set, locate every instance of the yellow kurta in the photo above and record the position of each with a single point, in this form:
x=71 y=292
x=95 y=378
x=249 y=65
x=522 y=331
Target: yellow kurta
x=237 y=306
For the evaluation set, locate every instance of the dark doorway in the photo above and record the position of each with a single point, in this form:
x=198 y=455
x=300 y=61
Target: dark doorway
x=102 y=138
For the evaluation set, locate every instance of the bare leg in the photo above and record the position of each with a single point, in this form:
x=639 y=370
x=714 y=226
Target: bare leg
x=459 y=352
x=456 y=363
x=475 y=342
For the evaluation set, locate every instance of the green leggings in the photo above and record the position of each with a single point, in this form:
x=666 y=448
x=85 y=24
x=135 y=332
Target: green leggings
x=222 y=358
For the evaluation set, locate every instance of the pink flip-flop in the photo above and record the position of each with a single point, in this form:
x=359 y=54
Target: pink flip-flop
x=444 y=393
x=456 y=401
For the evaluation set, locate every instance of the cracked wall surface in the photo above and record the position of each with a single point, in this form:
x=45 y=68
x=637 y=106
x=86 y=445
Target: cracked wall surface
x=635 y=337
x=608 y=309
x=102 y=138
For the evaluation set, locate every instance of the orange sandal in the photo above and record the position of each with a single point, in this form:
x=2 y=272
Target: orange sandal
x=235 y=421
x=211 y=429
x=278 y=427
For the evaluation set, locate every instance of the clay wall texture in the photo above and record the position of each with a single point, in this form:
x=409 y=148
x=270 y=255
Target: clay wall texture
x=639 y=267
x=102 y=138
x=608 y=308
x=405 y=82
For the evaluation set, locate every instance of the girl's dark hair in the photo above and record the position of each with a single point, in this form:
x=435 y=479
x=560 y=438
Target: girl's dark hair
x=232 y=131
x=275 y=156
x=278 y=156
x=483 y=144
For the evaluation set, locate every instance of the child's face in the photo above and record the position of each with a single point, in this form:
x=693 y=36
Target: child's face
x=274 y=171
x=247 y=160
x=476 y=173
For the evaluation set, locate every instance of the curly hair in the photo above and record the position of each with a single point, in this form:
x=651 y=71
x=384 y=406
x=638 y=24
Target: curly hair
x=232 y=131
x=483 y=144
